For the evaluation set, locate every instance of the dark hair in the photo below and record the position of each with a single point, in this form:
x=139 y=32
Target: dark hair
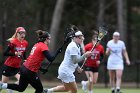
x=95 y=34
x=42 y=35
x=74 y=30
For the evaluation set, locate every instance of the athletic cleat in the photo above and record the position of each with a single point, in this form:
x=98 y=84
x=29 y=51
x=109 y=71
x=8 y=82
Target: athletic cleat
x=90 y=91
x=113 y=91
x=45 y=91
x=118 y=91
x=84 y=87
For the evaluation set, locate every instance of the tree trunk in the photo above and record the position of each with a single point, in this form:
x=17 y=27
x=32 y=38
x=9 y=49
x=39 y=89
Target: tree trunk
x=100 y=19
x=3 y=33
x=122 y=15
x=56 y=21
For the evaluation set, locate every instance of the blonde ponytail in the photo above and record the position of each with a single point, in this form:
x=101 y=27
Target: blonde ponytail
x=13 y=37
x=18 y=29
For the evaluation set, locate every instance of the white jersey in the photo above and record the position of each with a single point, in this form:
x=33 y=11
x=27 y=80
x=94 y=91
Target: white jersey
x=115 y=60
x=67 y=67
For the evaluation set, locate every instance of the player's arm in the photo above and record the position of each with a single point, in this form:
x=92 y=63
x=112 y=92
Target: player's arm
x=8 y=53
x=77 y=59
x=51 y=56
x=24 y=55
x=126 y=56
x=108 y=49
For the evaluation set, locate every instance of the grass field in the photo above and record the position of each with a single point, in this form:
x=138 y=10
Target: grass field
x=96 y=90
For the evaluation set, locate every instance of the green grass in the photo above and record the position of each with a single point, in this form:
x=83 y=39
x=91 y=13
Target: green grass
x=96 y=90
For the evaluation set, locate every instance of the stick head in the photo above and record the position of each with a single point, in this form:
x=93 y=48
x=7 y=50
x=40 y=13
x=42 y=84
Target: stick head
x=70 y=32
x=102 y=32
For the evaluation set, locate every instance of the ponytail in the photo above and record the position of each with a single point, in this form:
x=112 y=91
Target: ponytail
x=13 y=37
x=42 y=35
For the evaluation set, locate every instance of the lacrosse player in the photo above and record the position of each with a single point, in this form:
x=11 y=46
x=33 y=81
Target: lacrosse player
x=115 y=65
x=92 y=64
x=15 y=51
x=69 y=65
x=29 y=69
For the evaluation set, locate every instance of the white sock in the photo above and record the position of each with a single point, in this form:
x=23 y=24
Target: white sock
x=112 y=88
x=50 y=90
x=117 y=87
x=90 y=91
x=10 y=91
x=85 y=83
x=4 y=85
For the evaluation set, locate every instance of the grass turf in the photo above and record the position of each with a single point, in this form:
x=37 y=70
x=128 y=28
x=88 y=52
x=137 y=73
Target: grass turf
x=95 y=90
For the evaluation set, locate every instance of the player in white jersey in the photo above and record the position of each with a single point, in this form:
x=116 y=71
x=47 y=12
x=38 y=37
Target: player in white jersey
x=115 y=49
x=69 y=65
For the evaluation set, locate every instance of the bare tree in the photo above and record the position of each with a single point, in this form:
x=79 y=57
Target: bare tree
x=56 y=21
x=100 y=18
x=121 y=12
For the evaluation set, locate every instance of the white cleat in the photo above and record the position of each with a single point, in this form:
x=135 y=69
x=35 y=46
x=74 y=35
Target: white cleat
x=47 y=91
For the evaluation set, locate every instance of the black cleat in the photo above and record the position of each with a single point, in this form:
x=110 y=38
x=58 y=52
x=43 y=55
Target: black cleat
x=118 y=91
x=45 y=91
x=113 y=91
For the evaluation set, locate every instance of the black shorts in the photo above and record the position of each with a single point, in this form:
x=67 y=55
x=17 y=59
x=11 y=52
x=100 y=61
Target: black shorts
x=9 y=71
x=93 y=69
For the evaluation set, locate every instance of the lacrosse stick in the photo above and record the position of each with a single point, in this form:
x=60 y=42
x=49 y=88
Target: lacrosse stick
x=101 y=33
x=68 y=35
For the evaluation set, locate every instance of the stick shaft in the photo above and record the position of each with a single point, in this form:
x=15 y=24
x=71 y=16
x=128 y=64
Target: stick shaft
x=91 y=51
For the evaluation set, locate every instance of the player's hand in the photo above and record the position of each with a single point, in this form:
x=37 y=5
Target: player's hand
x=43 y=70
x=128 y=62
x=79 y=70
x=98 y=62
x=18 y=53
x=88 y=54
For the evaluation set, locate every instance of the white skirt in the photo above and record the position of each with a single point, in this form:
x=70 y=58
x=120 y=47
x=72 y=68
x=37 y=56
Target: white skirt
x=66 y=76
x=114 y=65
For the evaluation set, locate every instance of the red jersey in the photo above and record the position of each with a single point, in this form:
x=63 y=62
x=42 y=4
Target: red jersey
x=16 y=45
x=92 y=60
x=36 y=57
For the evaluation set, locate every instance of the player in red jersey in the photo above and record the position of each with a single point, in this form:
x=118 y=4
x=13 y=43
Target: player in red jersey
x=92 y=64
x=28 y=71
x=16 y=51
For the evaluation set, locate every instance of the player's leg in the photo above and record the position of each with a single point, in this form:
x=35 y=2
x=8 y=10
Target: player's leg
x=90 y=82
x=5 y=79
x=35 y=83
x=72 y=87
x=68 y=80
x=59 y=88
x=17 y=76
x=8 y=72
x=23 y=83
x=94 y=79
x=119 y=73
x=112 y=80
x=85 y=83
